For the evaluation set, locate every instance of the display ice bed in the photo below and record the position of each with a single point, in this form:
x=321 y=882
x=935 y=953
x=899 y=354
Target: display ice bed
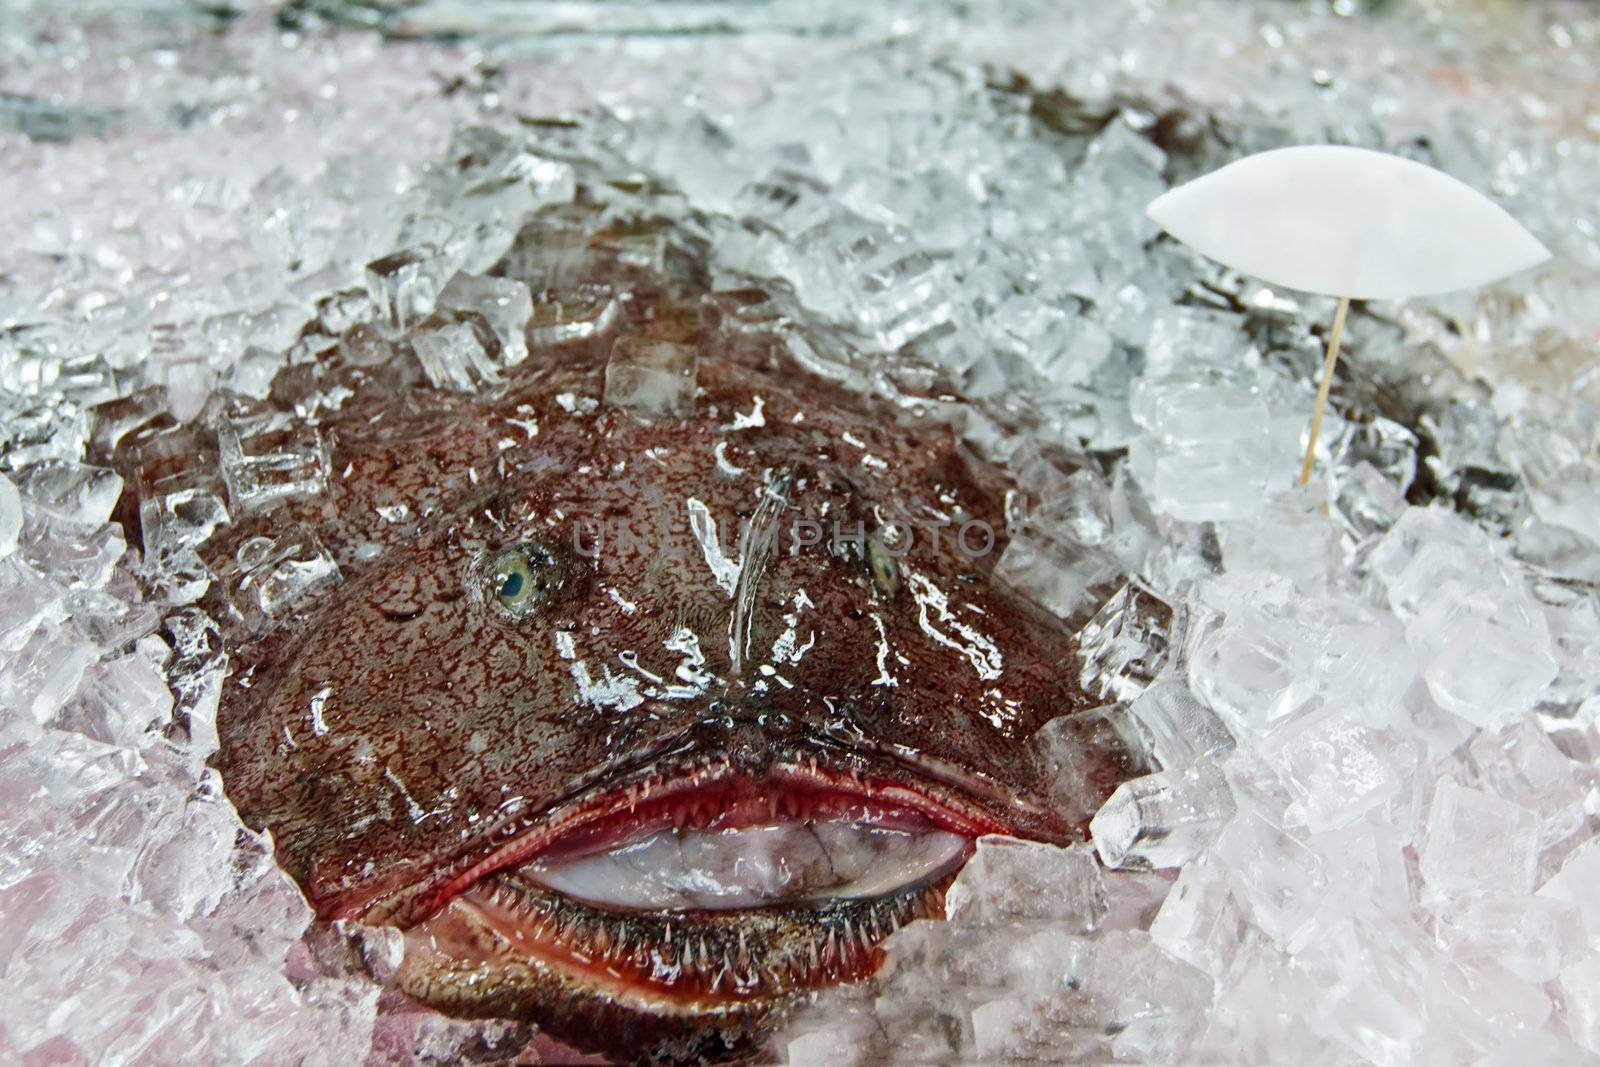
x=1393 y=673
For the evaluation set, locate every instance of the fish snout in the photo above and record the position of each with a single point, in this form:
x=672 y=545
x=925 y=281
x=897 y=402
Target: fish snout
x=750 y=734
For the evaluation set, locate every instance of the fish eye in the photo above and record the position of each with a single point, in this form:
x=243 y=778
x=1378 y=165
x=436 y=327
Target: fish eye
x=883 y=568
x=526 y=579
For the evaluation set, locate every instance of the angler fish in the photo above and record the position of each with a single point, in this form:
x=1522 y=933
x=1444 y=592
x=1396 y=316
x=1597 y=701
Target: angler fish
x=656 y=676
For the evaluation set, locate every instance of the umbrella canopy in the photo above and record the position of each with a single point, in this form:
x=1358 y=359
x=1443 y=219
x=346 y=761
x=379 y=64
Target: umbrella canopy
x=1347 y=222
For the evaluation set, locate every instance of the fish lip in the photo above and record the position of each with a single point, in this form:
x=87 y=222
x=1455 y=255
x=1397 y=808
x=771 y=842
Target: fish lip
x=811 y=761
x=772 y=967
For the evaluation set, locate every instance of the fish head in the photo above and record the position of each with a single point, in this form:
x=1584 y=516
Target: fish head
x=659 y=722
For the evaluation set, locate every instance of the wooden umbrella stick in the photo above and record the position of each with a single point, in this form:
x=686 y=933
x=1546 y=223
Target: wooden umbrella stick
x=1322 y=389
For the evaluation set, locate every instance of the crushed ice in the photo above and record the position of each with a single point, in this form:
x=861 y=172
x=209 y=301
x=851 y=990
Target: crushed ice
x=1370 y=706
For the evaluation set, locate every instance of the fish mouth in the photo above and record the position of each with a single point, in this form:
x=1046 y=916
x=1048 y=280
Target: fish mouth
x=693 y=899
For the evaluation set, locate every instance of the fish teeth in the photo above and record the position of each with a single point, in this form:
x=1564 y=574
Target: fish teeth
x=771 y=979
x=847 y=940
x=867 y=936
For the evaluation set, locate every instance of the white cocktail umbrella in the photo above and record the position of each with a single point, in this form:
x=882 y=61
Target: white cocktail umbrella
x=1349 y=223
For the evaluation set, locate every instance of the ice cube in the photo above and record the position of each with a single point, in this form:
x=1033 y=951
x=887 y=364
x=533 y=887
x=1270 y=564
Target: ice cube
x=41 y=433
x=1371 y=857
x=1573 y=615
x=1530 y=936
x=44 y=674
x=927 y=956
x=846 y=1039
x=1558 y=470
x=1251 y=664
x=270 y=578
x=846 y=268
x=72 y=492
x=1181 y=336
x=1580 y=986
x=364 y=345
x=1047 y=471
x=638 y=244
x=131 y=696
x=572 y=315
x=1163 y=820
x=504 y=303
x=1214 y=450
x=1127 y=643
x=1576 y=883
x=1365 y=502
x=404 y=286
x=344 y=310
x=32 y=600
x=1156 y=1001
x=1135 y=896
x=1200 y=922
x=1061 y=344
x=1373 y=979
x=1263 y=655
x=1052 y=571
x=650 y=377
x=1275 y=877
x=1379 y=444
x=183 y=866
x=458 y=351
x=331 y=1019
x=140 y=414
x=81 y=557
x=1425 y=549
x=1292 y=536
x=181 y=503
x=786 y=202
x=1488 y=1000
x=1522 y=764
x=1337 y=769
x=931 y=1029
x=1544 y=1048
x=1085 y=754
x=1489 y=662
x=1180 y=728
x=262 y=467
x=10 y=516
x=553 y=181
x=1076 y=538
x=1009 y=880
x=1039 y=1027
x=1477 y=841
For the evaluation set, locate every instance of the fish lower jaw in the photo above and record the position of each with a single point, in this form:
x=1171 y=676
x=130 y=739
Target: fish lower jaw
x=614 y=980
x=690 y=909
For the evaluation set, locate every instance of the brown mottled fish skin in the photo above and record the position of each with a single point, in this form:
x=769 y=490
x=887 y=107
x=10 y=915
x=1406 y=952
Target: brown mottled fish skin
x=399 y=729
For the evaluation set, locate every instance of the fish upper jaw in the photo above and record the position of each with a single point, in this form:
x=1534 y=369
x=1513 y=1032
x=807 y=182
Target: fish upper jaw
x=735 y=786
